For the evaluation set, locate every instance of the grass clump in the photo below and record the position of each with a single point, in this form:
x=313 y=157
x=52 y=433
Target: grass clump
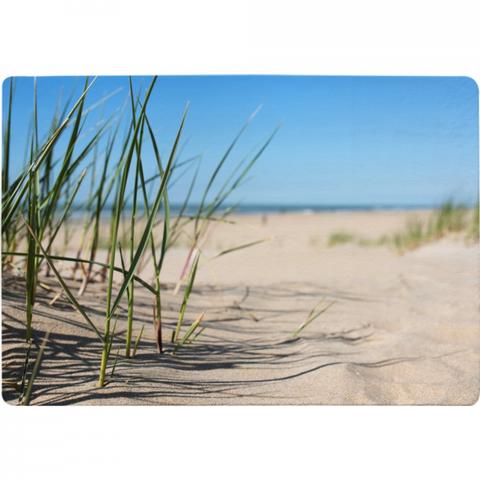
x=343 y=238
x=411 y=237
x=37 y=206
x=450 y=219
x=340 y=238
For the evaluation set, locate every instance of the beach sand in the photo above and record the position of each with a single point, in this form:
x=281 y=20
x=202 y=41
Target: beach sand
x=404 y=329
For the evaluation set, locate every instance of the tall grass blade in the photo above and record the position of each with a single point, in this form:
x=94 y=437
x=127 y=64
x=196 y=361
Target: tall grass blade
x=186 y=295
x=223 y=160
x=6 y=141
x=241 y=247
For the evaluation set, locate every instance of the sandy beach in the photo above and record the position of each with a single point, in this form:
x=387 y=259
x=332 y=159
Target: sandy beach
x=403 y=329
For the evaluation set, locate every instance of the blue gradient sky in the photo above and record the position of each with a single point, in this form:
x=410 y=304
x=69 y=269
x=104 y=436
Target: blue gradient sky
x=343 y=140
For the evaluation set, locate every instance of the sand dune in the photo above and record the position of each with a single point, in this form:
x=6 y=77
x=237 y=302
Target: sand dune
x=403 y=329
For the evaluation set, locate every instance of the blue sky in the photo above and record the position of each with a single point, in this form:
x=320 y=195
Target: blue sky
x=342 y=141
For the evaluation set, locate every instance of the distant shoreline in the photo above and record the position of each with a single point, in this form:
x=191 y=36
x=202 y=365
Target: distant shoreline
x=264 y=209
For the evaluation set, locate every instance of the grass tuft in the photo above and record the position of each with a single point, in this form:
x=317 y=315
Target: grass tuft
x=340 y=238
x=76 y=158
x=450 y=219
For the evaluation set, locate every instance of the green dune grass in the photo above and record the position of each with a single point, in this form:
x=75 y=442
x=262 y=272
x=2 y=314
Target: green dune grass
x=450 y=219
x=37 y=204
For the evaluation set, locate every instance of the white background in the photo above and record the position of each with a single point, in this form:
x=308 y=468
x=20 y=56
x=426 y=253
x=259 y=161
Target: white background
x=205 y=36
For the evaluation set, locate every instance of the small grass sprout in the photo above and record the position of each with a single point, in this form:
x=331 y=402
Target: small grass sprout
x=314 y=313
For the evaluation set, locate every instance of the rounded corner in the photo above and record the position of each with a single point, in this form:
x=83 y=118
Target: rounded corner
x=475 y=400
x=473 y=82
x=5 y=81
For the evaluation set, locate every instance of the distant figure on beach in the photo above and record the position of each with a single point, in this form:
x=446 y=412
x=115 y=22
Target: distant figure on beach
x=264 y=219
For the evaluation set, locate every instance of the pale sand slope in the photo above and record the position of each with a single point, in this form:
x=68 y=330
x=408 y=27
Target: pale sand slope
x=403 y=330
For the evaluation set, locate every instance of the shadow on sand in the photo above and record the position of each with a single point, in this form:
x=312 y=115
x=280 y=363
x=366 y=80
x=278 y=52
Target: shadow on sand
x=235 y=358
